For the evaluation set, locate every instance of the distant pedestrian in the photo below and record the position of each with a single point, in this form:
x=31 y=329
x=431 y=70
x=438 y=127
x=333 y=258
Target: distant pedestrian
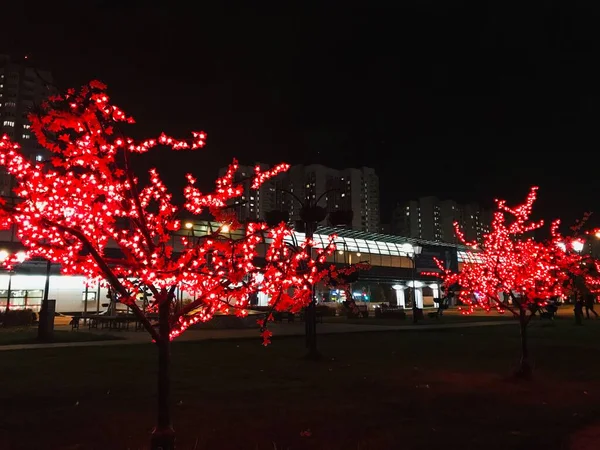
x=444 y=302
x=590 y=299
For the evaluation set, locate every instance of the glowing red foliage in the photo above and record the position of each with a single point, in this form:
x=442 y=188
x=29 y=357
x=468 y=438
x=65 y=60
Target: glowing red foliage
x=86 y=200
x=514 y=271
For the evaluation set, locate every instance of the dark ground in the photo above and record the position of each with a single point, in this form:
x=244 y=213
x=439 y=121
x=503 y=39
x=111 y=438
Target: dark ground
x=18 y=336
x=431 y=389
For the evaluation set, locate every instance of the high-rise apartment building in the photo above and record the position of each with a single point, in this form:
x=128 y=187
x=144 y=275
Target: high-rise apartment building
x=433 y=219
x=348 y=189
x=254 y=203
x=21 y=88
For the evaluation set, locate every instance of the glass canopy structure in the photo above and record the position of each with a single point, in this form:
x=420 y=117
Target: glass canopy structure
x=352 y=245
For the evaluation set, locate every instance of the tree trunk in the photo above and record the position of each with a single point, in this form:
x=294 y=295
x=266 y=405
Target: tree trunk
x=163 y=436
x=310 y=312
x=524 y=371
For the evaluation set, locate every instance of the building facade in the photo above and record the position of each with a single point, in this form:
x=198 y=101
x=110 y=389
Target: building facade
x=433 y=219
x=348 y=189
x=392 y=278
x=22 y=86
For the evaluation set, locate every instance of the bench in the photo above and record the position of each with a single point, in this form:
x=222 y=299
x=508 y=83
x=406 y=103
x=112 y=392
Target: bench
x=390 y=312
x=279 y=316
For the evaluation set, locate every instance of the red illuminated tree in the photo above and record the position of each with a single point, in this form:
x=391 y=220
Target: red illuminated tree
x=514 y=272
x=579 y=263
x=86 y=202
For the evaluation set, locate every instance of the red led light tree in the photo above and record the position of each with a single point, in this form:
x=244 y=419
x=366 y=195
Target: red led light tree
x=86 y=210
x=514 y=273
x=579 y=262
x=292 y=271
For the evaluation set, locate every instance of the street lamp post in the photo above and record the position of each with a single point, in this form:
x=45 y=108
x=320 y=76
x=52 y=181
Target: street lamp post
x=416 y=251
x=7 y=257
x=311 y=214
x=46 y=322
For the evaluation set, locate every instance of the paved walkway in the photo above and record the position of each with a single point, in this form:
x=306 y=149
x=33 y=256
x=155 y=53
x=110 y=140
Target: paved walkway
x=129 y=337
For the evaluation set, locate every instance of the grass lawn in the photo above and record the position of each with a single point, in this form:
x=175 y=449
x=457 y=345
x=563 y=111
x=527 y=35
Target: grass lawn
x=433 y=389
x=14 y=336
x=446 y=319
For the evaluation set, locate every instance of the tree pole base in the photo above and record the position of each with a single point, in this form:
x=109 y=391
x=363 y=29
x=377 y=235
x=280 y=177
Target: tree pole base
x=524 y=372
x=163 y=439
x=313 y=355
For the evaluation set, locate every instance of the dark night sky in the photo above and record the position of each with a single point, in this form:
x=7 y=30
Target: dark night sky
x=460 y=102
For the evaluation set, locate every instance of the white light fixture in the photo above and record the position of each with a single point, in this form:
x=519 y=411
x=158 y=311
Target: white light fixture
x=3 y=255
x=225 y=228
x=189 y=225
x=407 y=248
x=358 y=254
x=577 y=245
x=397 y=287
x=417 y=249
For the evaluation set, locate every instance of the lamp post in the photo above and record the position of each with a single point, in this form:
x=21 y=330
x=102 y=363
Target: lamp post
x=46 y=322
x=311 y=214
x=9 y=258
x=416 y=251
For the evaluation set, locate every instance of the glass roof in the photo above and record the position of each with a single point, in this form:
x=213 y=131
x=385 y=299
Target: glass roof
x=348 y=240
x=351 y=244
x=469 y=257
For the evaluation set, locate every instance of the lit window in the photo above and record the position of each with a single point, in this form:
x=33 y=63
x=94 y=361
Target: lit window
x=38 y=158
x=26 y=136
x=9 y=123
x=26 y=126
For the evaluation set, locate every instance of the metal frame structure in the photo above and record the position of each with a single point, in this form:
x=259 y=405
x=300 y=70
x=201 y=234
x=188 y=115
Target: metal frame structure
x=353 y=241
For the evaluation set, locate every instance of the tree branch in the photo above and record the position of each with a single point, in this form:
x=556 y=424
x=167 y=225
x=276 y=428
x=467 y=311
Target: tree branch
x=141 y=220
x=108 y=273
